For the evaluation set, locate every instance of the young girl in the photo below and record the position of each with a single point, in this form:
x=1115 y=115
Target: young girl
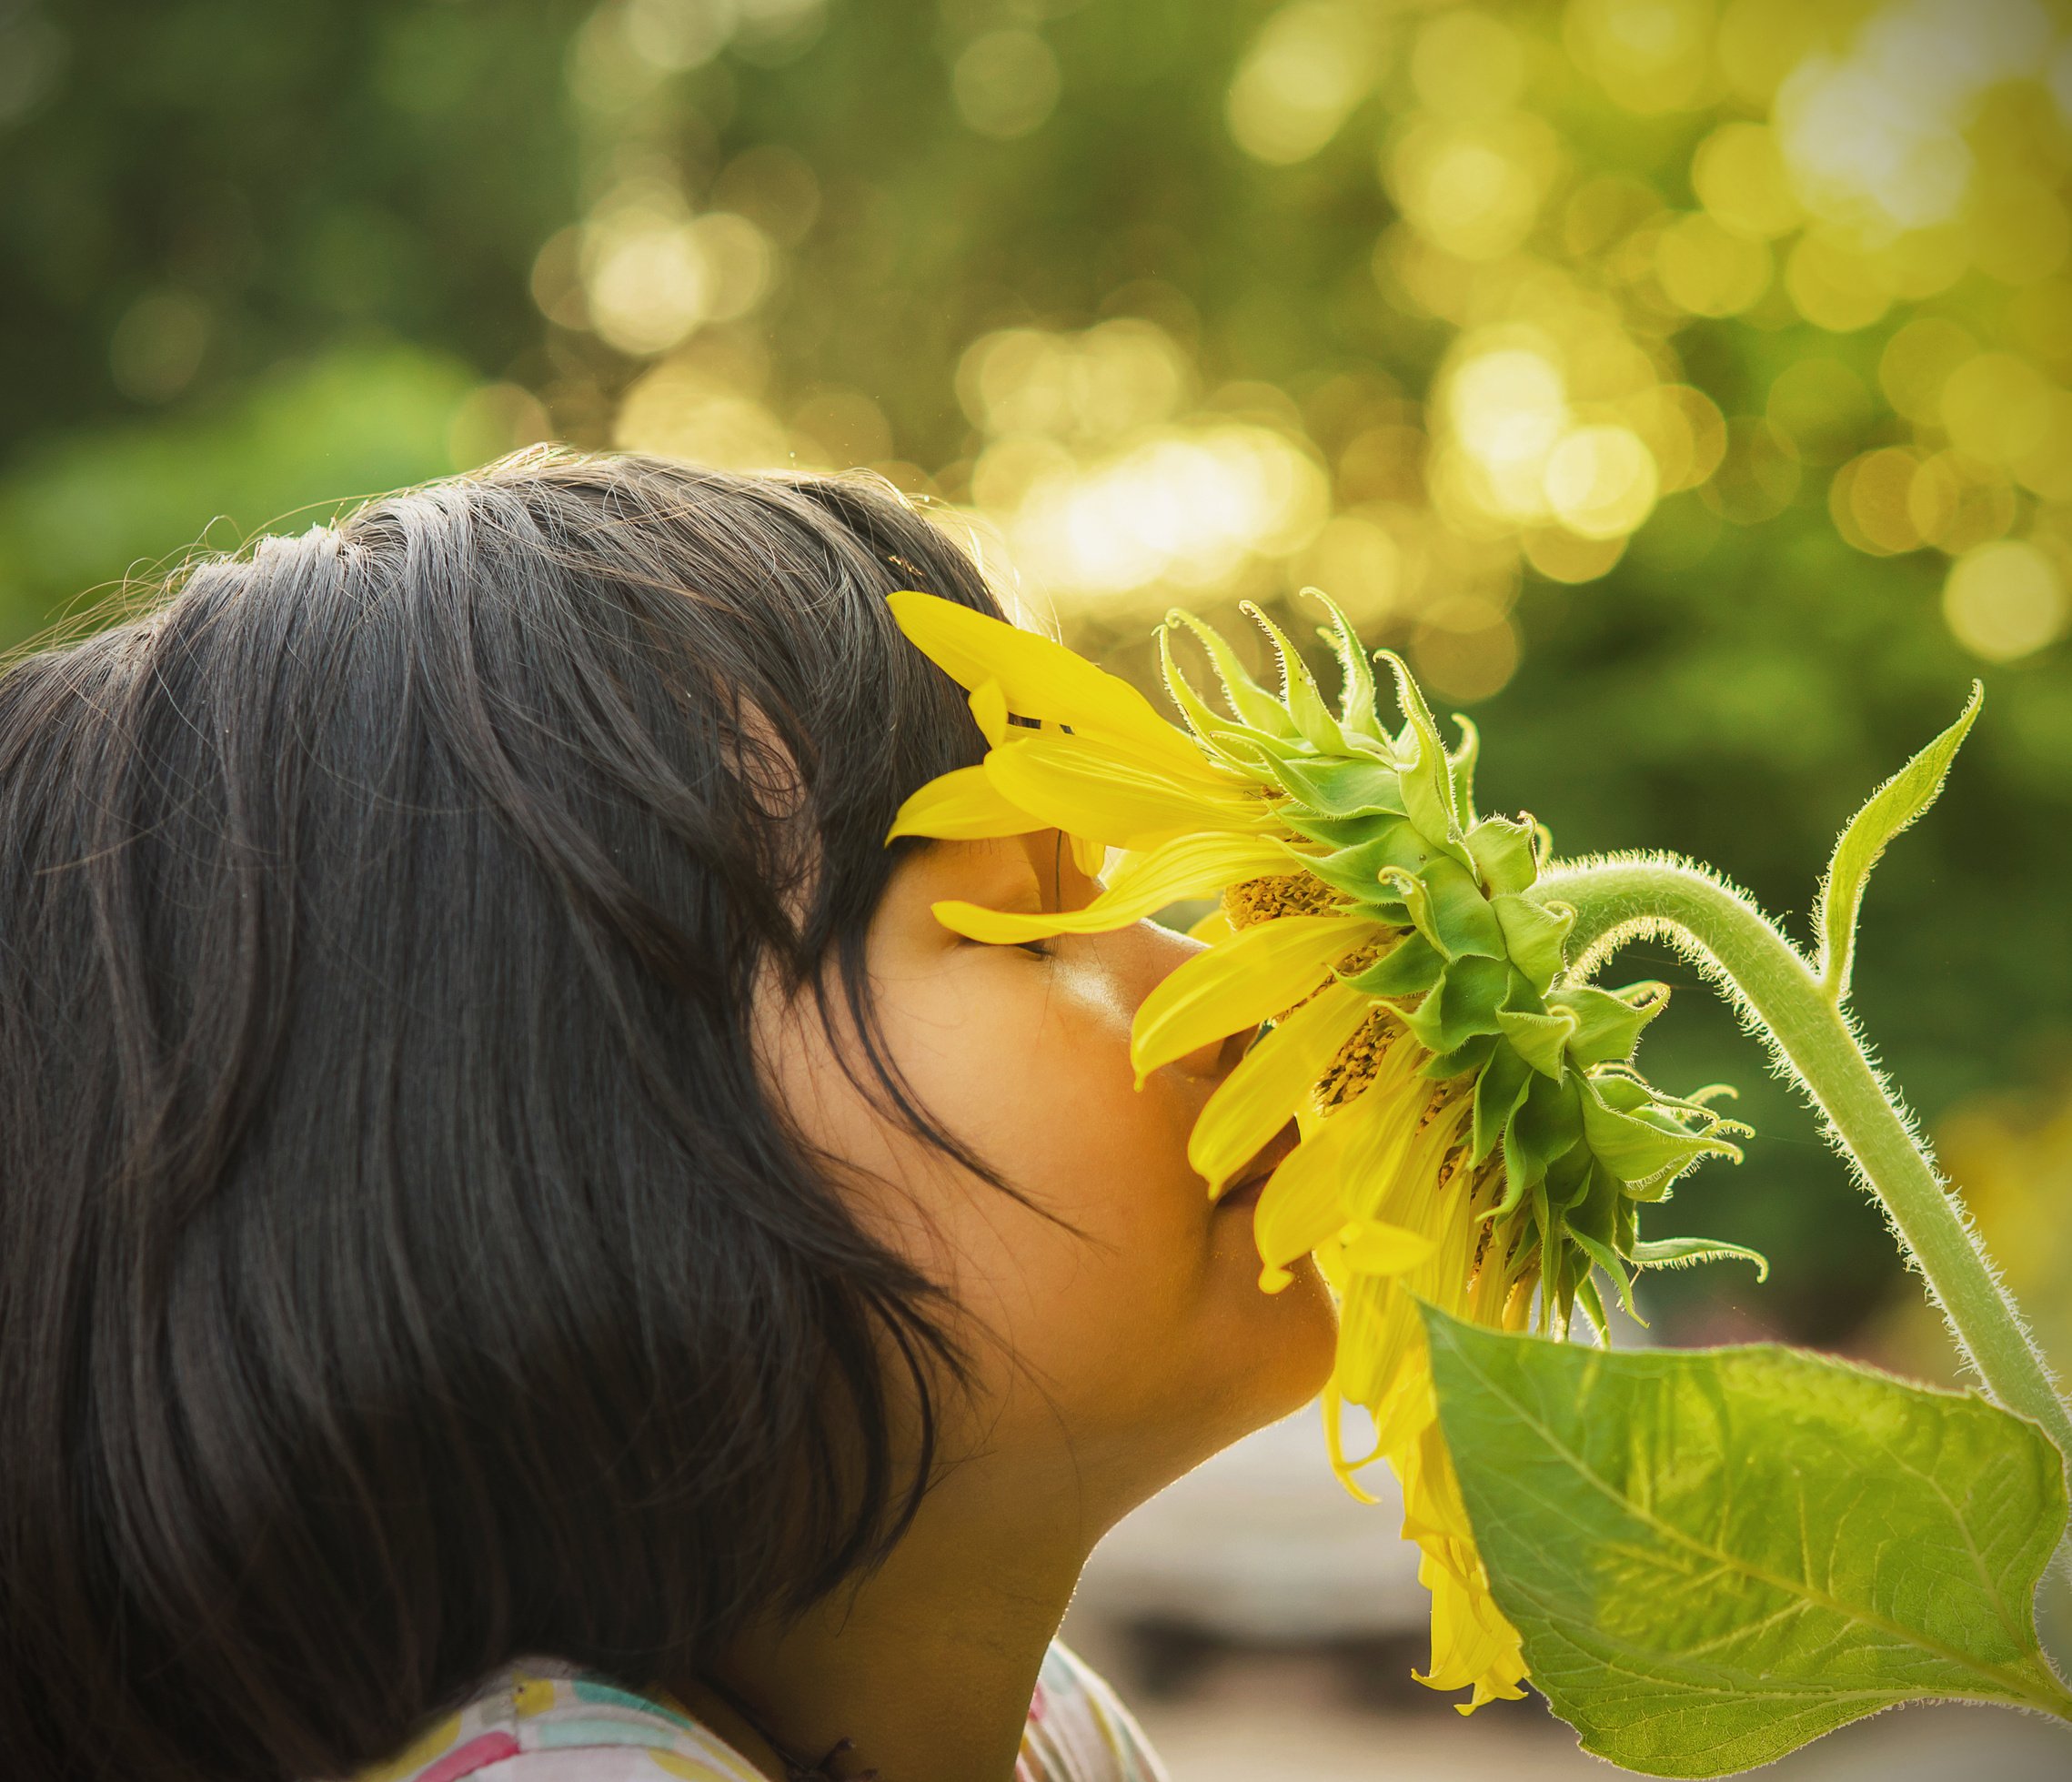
x=526 y=1251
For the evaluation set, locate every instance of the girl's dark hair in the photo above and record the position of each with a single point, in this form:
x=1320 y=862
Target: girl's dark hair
x=402 y=1265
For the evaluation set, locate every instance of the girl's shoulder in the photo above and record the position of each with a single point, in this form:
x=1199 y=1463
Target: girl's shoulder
x=541 y=1720
x=1078 y=1731
x=544 y=1721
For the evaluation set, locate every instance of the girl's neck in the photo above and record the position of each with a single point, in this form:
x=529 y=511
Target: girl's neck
x=928 y=1665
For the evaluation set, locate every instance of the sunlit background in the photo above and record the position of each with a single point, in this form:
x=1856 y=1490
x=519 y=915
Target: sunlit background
x=1683 y=386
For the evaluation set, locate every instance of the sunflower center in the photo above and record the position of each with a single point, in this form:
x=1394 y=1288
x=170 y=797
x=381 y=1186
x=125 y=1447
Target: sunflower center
x=1253 y=900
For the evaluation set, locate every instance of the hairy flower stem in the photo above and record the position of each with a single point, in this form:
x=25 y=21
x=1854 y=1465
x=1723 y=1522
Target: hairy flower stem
x=1781 y=997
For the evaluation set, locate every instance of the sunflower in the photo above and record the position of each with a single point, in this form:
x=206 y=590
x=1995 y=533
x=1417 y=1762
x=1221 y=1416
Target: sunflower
x=1473 y=1135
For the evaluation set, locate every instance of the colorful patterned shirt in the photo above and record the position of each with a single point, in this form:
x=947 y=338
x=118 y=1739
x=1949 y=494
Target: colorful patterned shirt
x=545 y=1721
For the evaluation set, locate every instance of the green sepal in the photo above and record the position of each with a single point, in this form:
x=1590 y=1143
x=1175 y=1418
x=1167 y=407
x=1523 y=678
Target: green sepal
x=1687 y=1251
x=1356 y=711
x=1233 y=743
x=1535 y=935
x=1255 y=706
x=1497 y=1092
x=1593 y=1303
x=1427 y=777
x=1461 y=766
x=1345 y=786
x=1645 y=1153
x=1569 y=1177
x=1339 y=833
x=1502 y=854
x=1447 y=909
x=1469 y=1056
x=1464 y=1003
x=1409 y=967
x=1546 y=1125
x=1603 y=1256
x=1356 y=872
x=1539 y=1040
x=1299 y=691
x=1608 y=1026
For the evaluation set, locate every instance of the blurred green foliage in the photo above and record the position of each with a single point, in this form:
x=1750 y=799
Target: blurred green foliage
x=1292 y=281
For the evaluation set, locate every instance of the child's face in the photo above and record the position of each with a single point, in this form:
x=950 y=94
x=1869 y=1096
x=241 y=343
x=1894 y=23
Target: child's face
x=1129 y=1337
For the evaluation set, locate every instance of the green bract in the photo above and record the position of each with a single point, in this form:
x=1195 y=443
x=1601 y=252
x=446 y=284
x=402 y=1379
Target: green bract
x=1478 y=975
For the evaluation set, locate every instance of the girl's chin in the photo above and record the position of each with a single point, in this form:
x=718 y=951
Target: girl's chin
x=1291 y=1338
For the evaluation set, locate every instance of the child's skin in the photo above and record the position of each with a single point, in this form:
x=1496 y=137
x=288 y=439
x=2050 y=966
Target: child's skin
x=1115 y=1343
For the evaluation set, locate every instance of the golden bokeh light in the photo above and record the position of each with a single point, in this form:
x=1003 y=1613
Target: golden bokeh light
x=1845 y=302
x=1740 y=177
x=1683 y=430
x=1310 y=65
x=1997 y=408
x=1821 y=406
x=1871 y=501
x=2005 y=600
x=1956 y=502
x=1650 y=55
x=652 y=274
x=1467 y=65
x=1601 y=482
x=1758 y=476
x=1357 y=560
x=1833 y=285
x=1708 y=268
x=1560 y=555
x=1917 y=362
x=1006 y=83
x=1466 y=649
x=1474 y=189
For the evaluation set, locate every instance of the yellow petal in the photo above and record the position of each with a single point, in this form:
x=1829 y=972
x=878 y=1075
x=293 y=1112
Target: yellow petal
x=1373 y=1246
x=962 y=806
x=1301 y=1205
x=1038 y=678
x=1090 y=787
x=1090 y=857
x=1188 y=866
x=1213 y=927
x=1249 y=978
x=989 y=711
x=1334 y=1402
x=1472 y=1643
x=1272 y=1080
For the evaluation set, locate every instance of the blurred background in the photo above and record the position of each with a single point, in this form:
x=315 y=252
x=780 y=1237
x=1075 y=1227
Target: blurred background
x=1683 y=386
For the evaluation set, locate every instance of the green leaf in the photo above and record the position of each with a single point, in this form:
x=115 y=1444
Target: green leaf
x=1889 y=811
x=1716 y=1556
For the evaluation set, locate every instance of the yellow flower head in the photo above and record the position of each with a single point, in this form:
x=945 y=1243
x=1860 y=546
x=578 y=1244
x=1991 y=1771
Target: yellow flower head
x=1473 y=1135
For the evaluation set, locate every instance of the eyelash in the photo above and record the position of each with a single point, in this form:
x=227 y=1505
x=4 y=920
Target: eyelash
x=1042 y=949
